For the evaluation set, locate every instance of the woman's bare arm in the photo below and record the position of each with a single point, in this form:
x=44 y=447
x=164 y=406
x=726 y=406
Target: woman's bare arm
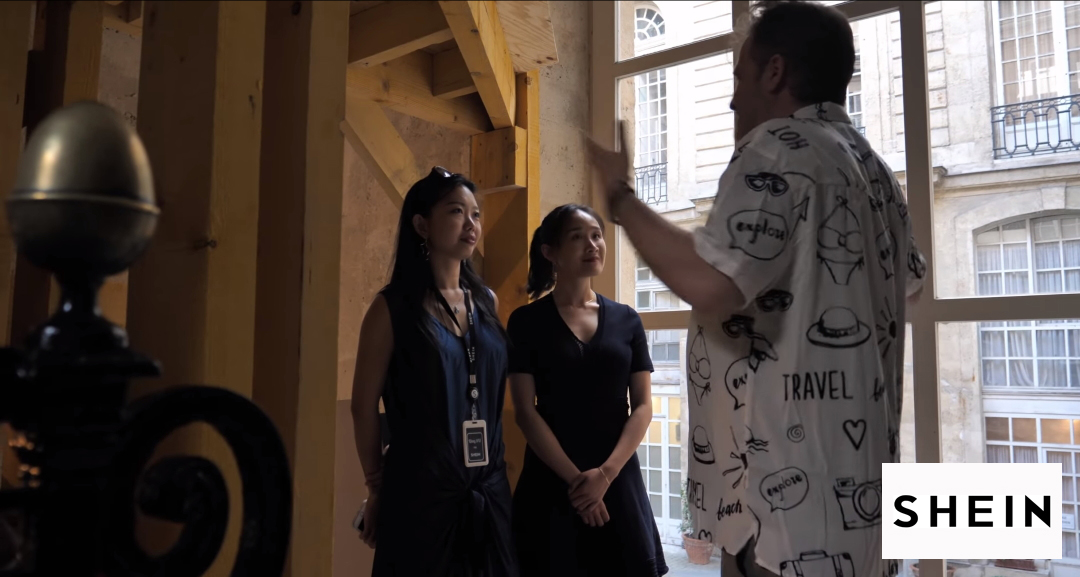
x=372 y=360
x=636 y=426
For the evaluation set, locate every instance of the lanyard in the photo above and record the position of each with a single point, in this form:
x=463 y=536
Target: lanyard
x=470 y=346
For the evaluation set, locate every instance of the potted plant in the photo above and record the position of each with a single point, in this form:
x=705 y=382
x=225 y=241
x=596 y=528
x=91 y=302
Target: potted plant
x=698 y=551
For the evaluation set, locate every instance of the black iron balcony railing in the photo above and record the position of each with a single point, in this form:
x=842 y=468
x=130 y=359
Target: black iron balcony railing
x=1036 y=127
x=652 y=183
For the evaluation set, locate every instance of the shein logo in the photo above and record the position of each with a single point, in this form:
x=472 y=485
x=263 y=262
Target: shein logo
x=971 y=511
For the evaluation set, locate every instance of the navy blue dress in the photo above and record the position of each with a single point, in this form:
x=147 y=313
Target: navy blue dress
x=436 y=516
x=581 y=392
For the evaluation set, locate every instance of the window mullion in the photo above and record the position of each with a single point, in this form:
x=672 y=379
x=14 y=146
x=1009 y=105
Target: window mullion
x=1061 y=62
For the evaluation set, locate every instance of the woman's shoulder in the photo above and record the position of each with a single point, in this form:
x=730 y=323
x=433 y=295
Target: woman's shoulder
x=529 y=312
x=616 y=309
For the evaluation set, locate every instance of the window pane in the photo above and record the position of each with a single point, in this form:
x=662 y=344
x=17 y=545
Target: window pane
x=993 y=343
x=643 y=299
x=675 y=407
x=998 y=454
x=1056 y=431
x=654 y=432
x=674 y=433
x=1024 y=430
x=654 y=457
x=675 y=457
x=675 y=508
x=642 y=31
x=997 y=429
x=674 y=481
x=656 y=482
x=657 y=503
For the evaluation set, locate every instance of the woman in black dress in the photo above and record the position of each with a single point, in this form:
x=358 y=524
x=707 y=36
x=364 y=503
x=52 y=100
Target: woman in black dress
x=580 y=506
x=428 y=511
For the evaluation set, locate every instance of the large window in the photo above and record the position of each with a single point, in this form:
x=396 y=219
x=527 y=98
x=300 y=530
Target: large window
x=660 y=455
x=1039 y=47
x=1038 y=54
x=986 y=338
x=854 y=91
x=1012 y=259
x=1013 y=439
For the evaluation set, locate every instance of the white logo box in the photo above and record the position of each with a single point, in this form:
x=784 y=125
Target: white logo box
x=1029 y=485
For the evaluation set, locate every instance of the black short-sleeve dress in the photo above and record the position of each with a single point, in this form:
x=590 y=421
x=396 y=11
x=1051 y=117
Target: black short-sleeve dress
x=581 y=393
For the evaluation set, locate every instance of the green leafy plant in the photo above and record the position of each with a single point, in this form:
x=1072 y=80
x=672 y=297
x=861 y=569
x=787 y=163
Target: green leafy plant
x=686 y=526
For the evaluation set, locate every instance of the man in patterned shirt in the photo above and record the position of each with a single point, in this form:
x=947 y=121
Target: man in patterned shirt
x=799 y=282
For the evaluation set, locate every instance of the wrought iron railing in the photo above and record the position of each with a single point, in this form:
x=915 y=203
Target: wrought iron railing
x=1036 y=127
x=652 y=183
x=861 y=129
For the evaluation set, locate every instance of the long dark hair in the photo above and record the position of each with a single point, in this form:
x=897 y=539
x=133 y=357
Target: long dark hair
x=411 y=277
x=550 y=231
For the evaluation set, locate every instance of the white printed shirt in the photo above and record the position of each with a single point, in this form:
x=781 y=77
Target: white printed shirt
x=794 y=401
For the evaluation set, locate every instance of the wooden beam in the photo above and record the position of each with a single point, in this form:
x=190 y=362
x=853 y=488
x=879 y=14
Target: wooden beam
x=500 y=160
x=529 y=33
x=192 y=299
x=64 y=71
x=299 y=259
x=378 y=143
x=451 y=77
x=404 y=85
x=480 y=38
x=117 y=16
x=16 y=20
x=528 y=117
x=393 y=29
x=510 y=218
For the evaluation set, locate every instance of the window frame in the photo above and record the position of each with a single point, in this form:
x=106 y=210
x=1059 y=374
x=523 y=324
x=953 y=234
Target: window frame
x=931 y=310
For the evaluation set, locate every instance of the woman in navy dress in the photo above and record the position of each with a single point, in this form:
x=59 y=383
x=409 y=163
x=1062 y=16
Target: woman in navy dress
x=428 y=513
x=580 y=506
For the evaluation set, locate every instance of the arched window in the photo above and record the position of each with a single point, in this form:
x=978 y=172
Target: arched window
x=649 y=24
x=1032 y=255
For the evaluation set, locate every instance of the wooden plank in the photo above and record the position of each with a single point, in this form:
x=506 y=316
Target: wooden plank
x=191 y=303
x=394 y=29
x=530 y=35
x=299 y=259
x=404 y=85
x=480 y=38
x=375 y=140
x=450 y=75
x=500 y=160
x=528 y=117
x=65 y=70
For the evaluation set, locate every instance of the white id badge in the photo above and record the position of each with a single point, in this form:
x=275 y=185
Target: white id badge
x=474 y=441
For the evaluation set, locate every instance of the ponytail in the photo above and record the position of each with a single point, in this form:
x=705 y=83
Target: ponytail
x=542 y=270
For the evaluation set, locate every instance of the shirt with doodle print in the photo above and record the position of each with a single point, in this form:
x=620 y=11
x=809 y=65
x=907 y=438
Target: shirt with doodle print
x=795 y=400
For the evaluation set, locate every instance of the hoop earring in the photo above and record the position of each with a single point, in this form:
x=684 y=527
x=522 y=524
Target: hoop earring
x=424 y=252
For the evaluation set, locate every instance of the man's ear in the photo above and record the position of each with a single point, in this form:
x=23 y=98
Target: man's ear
x=773 y=77
x=420 y=226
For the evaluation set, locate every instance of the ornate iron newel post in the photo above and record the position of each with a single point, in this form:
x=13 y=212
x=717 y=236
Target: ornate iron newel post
x=83 y=208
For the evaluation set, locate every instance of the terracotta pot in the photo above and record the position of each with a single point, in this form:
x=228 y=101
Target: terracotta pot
x=949 y=570
x=698 y=551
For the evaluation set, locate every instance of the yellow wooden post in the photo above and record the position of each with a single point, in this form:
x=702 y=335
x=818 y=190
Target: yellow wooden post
x=65 y=70
x=191 y=302
x=510 y=216
x=297 y=295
